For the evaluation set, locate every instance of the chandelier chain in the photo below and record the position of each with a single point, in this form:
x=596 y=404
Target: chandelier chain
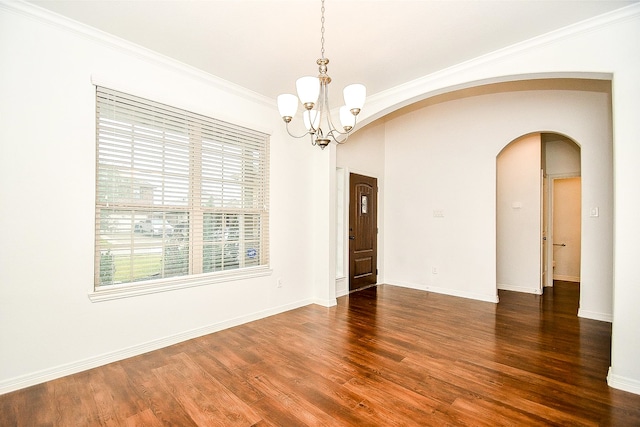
x=322 y=31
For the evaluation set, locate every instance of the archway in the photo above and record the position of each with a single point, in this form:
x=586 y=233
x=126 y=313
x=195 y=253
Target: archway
x=526 y=171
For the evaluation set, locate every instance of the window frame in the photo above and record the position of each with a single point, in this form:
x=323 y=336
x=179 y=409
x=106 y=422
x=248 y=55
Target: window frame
x=195 y=206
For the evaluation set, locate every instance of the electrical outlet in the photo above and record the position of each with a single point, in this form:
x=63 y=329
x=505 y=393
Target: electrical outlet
x=434 y=270
x=279 y=282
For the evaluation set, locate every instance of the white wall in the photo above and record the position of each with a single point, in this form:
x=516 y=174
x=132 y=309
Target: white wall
x=562 y=156
x=48 y=326
x=518 y=215
x=323 y=226
x=443 y=158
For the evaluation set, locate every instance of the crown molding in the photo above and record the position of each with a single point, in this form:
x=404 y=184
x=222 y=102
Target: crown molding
x=43 y=15
x=407 y=91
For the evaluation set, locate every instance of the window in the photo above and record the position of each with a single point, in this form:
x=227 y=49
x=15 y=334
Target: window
x=180 y=197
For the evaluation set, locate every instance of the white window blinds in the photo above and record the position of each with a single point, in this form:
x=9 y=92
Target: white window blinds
x=177 y=194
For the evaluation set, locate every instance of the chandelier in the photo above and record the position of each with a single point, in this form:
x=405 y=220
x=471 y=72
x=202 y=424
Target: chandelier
x=313 y=93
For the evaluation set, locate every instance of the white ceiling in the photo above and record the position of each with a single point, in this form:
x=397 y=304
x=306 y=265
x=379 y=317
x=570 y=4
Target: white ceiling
x=265 y=45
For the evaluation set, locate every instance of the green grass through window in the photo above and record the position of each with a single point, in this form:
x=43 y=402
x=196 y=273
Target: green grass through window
x=144 y=266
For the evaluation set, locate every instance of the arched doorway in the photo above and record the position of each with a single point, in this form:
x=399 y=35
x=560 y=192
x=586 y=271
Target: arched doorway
x=528 y=169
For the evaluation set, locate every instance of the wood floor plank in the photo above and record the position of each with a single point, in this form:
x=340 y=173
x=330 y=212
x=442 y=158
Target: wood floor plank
x=107 y=404
x=384 y=356
x=145 y=418
x=231 y=379
x=152 y=391
x=68 y=392
x=235 y=411
x=275 y=414
x=288 y=397
x=482 y=412
x=28 y=407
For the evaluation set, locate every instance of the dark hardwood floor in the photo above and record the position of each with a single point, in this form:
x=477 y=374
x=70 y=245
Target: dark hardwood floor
x=385 y=356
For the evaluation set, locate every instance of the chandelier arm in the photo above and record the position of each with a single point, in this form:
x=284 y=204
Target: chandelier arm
x=312 y=129
x=344 y=134
x=336 y=140
x=298 y=136
x=335 y=129
x=333 y=136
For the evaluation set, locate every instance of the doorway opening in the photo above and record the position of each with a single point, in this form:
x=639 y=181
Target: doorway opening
x=538 y=212
x=562 y=210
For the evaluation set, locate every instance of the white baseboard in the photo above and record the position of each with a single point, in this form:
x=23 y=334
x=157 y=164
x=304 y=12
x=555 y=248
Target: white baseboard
x=514 y=288
x=594 y=315
x=566 y=278
x=342 y=285
x=446 y=291
x=341 y=293
x=53 y=373
x=622 y=383
x=325 y=302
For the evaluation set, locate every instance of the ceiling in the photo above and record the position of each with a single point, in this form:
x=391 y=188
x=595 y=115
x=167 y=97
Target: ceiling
x=265 y=45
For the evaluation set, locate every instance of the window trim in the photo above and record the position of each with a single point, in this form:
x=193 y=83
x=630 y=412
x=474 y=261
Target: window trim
x=127 y=290
x=131 y=289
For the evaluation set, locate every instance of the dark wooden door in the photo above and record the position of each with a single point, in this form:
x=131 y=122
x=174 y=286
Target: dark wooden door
x=363 y=231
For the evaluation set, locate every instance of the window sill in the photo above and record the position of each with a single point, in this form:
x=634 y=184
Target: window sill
x=111 y=292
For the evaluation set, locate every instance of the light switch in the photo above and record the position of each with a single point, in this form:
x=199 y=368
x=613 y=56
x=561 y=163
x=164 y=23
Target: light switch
x=594 y=212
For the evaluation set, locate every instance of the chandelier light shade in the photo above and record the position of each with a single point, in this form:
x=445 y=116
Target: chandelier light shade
x=313 y=94
x=308 y=88
x=354 y=97
x=288 y=106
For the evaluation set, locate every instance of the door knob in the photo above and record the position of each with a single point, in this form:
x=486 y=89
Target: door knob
x=352 y=237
